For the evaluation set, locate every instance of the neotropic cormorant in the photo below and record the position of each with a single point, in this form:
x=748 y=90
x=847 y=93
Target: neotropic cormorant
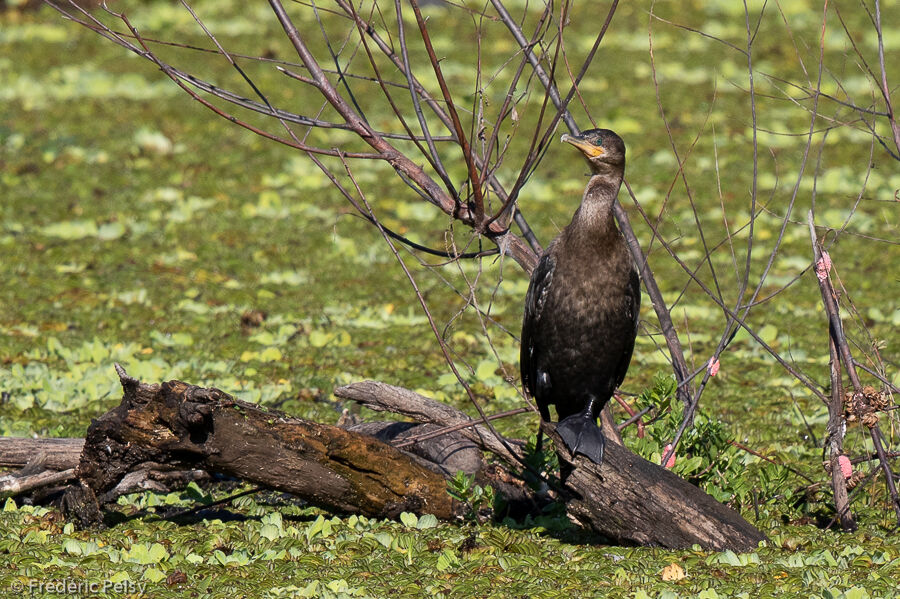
x=581 y=310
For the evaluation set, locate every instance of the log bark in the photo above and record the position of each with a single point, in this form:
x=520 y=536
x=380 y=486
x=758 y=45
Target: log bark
x=446 y=455
x=42 y=459
x=633 y=501
x=382 y=397
x=12 y=485
x=189 y=427
x=49 y=462
x=196 y=430
x=627 y=499
x=52 y=454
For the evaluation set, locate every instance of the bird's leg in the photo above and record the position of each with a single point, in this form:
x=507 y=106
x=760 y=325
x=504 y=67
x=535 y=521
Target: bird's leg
x=581 y=434
x=594 y=406
x=545 y=416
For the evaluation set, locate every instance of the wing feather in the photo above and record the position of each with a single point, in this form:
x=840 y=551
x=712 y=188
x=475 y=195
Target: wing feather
x=633 y=293
x=535 y=300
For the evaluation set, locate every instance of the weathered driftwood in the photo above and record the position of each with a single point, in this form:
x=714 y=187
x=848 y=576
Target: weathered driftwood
x=53 y=454
x=452 y=452
x=42 y=460
x=627 y=499
x=447 y=455
x=15 y=484
x=192 y=431
x=45 y=465
x=154 y=477
x=51 y=462
x=382 y=397
x=634 y=501
x=186 y=427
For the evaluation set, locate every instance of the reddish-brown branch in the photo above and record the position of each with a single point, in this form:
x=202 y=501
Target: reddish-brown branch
x=842 y=351
x=474 y=178
x=835 y=439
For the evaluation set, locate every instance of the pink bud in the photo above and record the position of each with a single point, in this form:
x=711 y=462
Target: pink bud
x=823 y=266
x=671 y=461
x=713 y=367
x=846 y=466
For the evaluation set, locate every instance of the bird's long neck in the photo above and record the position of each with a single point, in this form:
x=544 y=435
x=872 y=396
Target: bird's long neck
x=595 y=215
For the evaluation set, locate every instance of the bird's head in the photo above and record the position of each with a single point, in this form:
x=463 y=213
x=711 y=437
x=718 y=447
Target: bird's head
x=602 y=148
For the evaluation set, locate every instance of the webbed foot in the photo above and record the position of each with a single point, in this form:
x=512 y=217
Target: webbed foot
x=582 y=436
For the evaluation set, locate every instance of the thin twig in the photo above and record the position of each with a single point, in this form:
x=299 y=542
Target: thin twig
x=458 y=427
x=843 y=351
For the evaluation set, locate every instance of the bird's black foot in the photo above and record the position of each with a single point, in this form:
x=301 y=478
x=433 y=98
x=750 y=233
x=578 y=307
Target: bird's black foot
x=581 y=435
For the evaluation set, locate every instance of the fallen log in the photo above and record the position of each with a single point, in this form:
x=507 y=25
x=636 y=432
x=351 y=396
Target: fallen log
x=194 y=431
x=447 y=455
x=188 y=427
x=53 y=454
x=13 y=484
x=382 y=397
x=50 y=462
x=626 y=499
x=637 y=502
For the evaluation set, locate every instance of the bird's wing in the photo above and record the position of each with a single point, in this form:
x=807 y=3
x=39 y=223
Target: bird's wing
x=633 y=299
x=535 y=300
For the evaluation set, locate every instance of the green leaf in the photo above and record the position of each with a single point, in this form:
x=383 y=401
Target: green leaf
x=729 y=557
x=141 y=553
x=269 y=531
x=153 y=142
x=195 y=493
x=338 y=586
x=447 y=379
x=285 y=278
x=182 y=339
x=385 y=539
x=768 y=334
x=158 y=552
x=110 y=231
x=71 y=229
x=172 y=340
x=270 y=354
x=271 y=555
x=72 y=547
x=154 y=575
x=319 y=338
x=485 y=369
x=446 y=560
x=120 y=576
x=315 y=528
x=263 y=338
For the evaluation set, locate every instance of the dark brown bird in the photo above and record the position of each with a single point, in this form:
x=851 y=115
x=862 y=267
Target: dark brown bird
x=581 y=310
